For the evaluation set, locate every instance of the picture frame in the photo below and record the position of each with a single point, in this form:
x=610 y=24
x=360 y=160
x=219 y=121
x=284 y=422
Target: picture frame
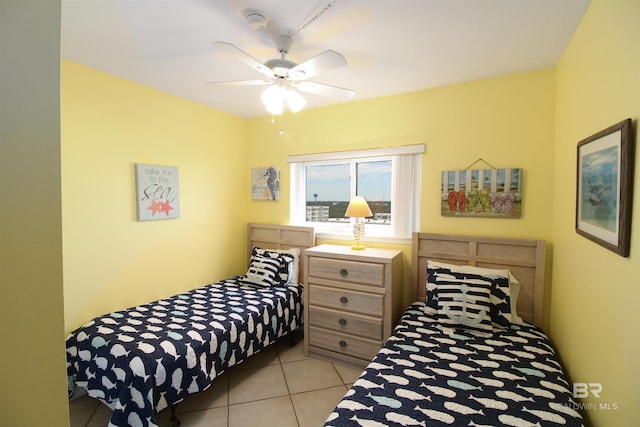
x=604 y=187
x=265 y=183
x=157 y=192
x=481 y=193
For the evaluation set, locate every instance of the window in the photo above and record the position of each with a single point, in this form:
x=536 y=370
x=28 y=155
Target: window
x=329 y=188
x=322 y=186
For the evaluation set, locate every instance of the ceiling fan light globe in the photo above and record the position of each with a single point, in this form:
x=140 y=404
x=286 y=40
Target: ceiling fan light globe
x=272 y=98
x=295 y=101
x=274 y=109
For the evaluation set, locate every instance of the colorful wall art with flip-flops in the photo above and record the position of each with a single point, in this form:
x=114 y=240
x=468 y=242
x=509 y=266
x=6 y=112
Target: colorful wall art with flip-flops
x=493 y=193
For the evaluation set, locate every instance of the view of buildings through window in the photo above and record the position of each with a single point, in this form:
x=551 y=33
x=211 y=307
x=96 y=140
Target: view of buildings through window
x=329 y=189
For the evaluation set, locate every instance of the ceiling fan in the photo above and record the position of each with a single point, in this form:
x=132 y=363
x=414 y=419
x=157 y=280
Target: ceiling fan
x=284 y=75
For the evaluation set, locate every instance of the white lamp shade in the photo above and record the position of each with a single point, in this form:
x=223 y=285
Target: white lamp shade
x=295 y=101
x=358 y=208
x=272 y=99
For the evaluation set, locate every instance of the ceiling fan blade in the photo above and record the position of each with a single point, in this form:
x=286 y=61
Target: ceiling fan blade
x=244 y=57
x=327 y=60
x=324 y=90
x=241 y=83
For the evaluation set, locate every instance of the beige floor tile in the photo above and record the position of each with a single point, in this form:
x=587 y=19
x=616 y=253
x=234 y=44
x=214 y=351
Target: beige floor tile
x=215 y=417
x=164 y=418
x=288 y=353
x=310 y=374
x=313 y=407
x=101 y=417
x=266 y=356
x=81 y=410
x=276 y=412
x=348 y=375
x=251 y=384
x=215 y=396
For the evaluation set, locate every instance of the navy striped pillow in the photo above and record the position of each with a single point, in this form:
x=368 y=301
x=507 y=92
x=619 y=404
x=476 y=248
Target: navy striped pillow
x=288 y=272
x=500 y=298
x=464 y=302
x=263 y=270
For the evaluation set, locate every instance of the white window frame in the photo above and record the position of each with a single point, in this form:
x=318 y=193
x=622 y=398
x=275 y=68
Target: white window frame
x=405 y=200
x=377 y=230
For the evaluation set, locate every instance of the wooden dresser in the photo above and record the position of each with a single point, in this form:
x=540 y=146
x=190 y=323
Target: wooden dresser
x=352 y=301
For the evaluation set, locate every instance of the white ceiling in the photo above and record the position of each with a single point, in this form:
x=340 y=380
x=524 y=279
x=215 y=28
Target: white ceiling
x=391 y=46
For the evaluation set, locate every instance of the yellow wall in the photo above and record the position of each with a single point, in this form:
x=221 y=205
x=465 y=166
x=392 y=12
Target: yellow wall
x=112 y=261
x=507 y=121
x=596 y=293
x=32 y=360
x=530 y=120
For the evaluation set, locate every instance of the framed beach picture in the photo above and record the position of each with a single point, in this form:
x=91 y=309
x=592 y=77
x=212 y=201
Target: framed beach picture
x=157 y=192
x=605 y=187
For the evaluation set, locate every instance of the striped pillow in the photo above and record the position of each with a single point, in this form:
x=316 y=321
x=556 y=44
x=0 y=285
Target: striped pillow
x=263 y=270
x=464 y=302
x=289 y=263
x=500 y=298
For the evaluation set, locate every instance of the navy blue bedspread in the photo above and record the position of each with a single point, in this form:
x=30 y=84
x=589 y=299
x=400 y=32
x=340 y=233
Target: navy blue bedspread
x=426 y=377
x=145 y=358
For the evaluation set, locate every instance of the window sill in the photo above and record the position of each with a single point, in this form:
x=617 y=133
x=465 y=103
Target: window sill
x=370 y=239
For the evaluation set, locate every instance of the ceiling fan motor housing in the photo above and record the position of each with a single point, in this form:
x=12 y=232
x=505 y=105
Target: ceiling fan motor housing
x=280 y=66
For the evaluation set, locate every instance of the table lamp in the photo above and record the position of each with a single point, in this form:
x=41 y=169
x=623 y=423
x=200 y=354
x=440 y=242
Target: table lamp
x=358 y=209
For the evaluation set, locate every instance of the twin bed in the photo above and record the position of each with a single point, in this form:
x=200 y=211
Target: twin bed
x=462 y=354
x=146 y=358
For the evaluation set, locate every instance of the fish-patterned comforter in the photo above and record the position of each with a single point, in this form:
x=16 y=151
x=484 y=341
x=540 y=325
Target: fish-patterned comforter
x=140 y=360
x=426 y=377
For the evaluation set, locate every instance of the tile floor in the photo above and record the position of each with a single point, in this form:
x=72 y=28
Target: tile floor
x=276 y=387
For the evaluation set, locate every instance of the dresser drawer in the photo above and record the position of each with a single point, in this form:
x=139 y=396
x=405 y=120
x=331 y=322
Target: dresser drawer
x=352 y=301
x=349 y=323
x=366 y=273
x=343 y=299
x=343 y=343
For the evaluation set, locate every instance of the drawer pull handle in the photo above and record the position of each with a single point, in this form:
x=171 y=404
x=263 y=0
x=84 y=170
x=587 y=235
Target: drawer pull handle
x=344 y=300
x=342 y=343
x=342 y=321
x=344 y=272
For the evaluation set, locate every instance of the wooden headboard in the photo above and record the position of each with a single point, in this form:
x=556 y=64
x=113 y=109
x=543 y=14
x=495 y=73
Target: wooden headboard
x=524 y=258
x=272 y=236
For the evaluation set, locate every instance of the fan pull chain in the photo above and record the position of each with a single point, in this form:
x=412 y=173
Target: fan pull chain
x=273 y=122
x=314 y=18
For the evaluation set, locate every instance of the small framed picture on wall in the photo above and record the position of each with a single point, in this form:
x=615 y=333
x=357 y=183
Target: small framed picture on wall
x=265 y=183
x=157 y=192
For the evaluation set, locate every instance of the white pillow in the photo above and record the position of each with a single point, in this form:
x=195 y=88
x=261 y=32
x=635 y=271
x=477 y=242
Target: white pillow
x=514 y=284
x=514 y=290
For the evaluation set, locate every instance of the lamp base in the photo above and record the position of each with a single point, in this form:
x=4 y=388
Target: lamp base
x=358 y=247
